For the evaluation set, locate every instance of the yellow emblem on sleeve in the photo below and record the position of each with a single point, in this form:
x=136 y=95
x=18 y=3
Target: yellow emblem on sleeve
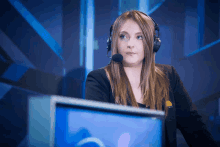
x=168 y=103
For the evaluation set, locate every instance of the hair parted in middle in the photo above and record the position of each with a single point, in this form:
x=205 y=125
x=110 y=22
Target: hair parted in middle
x=153 y=81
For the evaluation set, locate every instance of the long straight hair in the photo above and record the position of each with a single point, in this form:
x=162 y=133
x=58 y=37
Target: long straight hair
x=154 y=83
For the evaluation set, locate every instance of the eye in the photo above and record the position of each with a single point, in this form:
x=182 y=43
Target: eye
x=122 y=36
x=140 y=37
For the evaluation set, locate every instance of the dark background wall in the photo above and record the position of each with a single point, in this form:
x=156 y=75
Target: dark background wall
x=40 y=54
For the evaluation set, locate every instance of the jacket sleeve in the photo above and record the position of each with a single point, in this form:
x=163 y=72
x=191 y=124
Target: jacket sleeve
x=97 y=88
x=189 y=122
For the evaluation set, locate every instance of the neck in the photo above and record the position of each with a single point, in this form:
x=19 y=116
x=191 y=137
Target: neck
x=134 y=74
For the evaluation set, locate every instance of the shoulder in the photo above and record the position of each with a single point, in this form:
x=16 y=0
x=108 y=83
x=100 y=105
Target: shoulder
x=170 y=72
x=97 y=86
x=97 y=72
x=168 y=69
x=98 y=75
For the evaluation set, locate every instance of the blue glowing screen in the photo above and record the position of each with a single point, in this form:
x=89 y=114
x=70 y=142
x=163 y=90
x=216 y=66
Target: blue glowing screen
x=84 y=127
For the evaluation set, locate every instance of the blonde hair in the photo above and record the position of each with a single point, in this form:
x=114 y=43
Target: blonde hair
x=154 y=83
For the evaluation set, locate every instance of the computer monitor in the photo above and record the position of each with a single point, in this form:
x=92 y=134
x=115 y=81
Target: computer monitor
x=56 y=121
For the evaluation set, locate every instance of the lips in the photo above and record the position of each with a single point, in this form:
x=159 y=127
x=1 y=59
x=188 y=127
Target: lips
x=130 y=53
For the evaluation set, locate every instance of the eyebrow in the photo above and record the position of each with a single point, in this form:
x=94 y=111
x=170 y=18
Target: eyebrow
x=128 y=33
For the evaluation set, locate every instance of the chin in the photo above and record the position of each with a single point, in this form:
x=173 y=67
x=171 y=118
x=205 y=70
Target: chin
x=136 y=62
x=130 y=63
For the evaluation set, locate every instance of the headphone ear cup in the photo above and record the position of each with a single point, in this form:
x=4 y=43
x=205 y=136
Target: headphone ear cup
x=157 y=43
x=109 y=42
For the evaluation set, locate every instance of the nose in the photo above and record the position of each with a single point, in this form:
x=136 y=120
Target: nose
x=131 y=43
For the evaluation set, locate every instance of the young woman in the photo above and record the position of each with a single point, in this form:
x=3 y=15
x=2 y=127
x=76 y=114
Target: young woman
x=137 y=81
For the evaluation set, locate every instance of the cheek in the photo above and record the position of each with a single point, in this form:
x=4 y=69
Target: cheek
x=140 y=44
x=121 y=47
x=142 y=51
x=141 y=47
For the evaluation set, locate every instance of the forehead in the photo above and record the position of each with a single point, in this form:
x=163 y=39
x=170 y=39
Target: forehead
x=130 y=26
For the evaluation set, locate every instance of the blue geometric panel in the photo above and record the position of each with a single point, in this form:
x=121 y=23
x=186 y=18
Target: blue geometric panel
x=13 y=51
x=14 y=116
x=4 y=88
x=24 y=142
x=201 y=22
x=149 y=6
x=14 y=72
x=2 y=58
x=203 y=48
x=37 y=27
x=90 y=35
x=27 y=41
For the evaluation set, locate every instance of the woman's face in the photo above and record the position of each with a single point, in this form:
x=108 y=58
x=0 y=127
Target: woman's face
x=131 y=40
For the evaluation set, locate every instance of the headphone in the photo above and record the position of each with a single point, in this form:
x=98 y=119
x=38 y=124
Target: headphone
x=157 y=41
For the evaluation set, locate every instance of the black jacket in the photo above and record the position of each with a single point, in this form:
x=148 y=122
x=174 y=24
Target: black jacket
x=183 y=115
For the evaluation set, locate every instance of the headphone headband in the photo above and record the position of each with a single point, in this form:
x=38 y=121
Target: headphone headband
x=155 y=24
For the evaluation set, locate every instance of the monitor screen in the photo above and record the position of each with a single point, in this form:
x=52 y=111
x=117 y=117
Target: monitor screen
x=83 y=126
